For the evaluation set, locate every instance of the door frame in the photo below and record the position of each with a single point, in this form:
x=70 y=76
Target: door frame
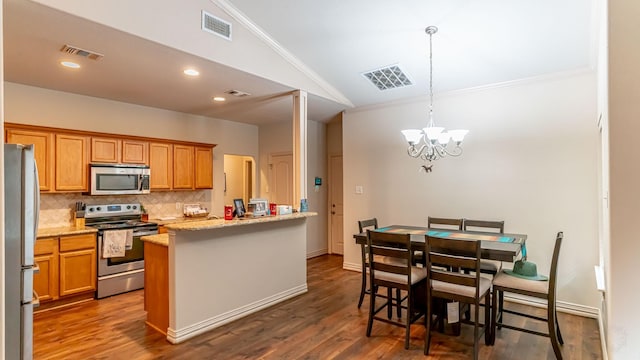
x=330 y=187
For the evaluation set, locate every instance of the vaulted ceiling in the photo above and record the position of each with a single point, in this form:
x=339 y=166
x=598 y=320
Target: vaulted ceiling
x=328 y=44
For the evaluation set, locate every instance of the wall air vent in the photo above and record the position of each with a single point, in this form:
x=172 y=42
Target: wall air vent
x=237 y=93
x=74 y=50
x=216 y=25
x=390 y=77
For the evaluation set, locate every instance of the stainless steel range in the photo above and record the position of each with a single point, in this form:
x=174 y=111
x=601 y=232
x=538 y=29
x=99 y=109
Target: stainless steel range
x=122 y=273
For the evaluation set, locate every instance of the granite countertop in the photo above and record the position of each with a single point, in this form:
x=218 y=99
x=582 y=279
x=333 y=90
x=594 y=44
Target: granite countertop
x=166 y=221
x=159 y=239
x=192 y=225
x=220 y=223
x=64 y=230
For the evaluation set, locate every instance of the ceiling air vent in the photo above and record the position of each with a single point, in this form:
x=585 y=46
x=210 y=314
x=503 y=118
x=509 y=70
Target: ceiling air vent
x=237 y=93
x=216 y=25
x=389 y=77
x=74 y=50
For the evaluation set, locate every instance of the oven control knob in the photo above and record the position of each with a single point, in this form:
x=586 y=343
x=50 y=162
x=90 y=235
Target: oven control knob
x=134 y=207
x=129 y=207
x=98 y=208
x=90 y=209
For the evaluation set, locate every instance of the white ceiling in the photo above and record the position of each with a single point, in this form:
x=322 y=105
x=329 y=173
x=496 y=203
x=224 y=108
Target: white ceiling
x=479 y=42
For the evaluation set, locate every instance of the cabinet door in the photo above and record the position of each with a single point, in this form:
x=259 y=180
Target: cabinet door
x=204 y=168
x=77 y=271
x=161 y=166
x=71 y=163
x=43 y=150
x=105 y=150
x=135 y=152
x=45 y=282
x=182 y=167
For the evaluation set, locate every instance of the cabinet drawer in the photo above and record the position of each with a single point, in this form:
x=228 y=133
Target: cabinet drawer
x=45 y=246
x=77 y=242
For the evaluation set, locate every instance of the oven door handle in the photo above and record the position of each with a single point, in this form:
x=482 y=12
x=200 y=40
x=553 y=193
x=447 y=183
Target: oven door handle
x=144 y=233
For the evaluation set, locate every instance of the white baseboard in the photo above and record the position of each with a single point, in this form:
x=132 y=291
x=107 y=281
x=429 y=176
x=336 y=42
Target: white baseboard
x=603 y=339
x=317 y=253
x=562 y=306
x=180 y=335
x=352 y=266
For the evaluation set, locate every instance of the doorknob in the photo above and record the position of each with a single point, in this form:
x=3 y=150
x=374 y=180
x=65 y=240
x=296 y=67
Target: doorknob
x=333 y=213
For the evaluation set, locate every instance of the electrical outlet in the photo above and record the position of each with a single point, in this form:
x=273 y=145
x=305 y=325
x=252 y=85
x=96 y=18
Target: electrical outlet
x=178 y=206
x=359 y=189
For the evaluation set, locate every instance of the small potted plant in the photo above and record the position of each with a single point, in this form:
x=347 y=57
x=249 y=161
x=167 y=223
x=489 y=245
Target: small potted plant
x=144 y=216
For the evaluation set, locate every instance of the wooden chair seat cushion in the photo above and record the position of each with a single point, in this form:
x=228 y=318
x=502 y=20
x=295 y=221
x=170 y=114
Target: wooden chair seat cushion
x=504 y=280
x=417 y=275
x=469 y=291
x=489 y=265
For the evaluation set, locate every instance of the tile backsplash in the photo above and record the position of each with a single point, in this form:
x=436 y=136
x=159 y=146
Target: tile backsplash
x=56 y=210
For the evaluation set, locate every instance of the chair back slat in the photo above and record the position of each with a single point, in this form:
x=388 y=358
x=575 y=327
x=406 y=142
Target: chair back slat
x=483 y=225
x=453 y=261
x=444 y=223
x=366 y=224
x=454 y=254
x=395 y=248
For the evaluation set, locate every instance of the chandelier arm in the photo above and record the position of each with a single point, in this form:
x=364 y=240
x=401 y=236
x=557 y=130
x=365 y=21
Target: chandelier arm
x=457 y=151
x=413 y=152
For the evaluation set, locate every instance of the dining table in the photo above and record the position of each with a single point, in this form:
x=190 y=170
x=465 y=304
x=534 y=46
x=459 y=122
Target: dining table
x=494 y=246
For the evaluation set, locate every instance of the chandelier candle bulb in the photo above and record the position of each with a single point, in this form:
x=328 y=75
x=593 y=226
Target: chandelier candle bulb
x=431 y=142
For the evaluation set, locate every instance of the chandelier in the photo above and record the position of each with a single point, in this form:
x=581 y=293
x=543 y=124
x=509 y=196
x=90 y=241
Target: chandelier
x=432 y=142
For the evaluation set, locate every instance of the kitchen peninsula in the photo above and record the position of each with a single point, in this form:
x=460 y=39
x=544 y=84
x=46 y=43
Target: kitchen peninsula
x=204 y=274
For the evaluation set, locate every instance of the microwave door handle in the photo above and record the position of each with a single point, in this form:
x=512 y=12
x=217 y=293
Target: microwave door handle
x=140 y=180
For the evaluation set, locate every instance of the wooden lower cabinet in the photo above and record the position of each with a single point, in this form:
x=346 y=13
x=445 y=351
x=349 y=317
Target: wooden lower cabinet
x=67 y=266
x=156 y=286
x=45 y=282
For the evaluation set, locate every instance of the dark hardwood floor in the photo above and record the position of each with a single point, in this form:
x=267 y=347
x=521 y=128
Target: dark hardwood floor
x=321 y=324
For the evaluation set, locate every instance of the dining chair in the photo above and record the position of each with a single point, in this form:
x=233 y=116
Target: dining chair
x=397 y=274
x=546 y=290
x=486 y=266
x=444 y=223
x=362 y=226
x=451 y=284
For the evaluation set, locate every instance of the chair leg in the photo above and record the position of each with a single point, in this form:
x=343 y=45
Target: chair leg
x=552 y=322
x=407 y=322
x=487 y=320
x=389 y=303
x=427 y=324
x=500 y=308
x=558 y=330
x=476 y=321
x=494 y=315
x=399 y=303
x=363 y=287
x=372 y=309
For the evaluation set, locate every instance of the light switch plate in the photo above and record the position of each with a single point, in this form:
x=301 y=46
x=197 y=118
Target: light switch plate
x=359 y=189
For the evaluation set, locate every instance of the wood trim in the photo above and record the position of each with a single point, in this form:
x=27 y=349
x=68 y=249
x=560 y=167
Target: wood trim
x=9 y=125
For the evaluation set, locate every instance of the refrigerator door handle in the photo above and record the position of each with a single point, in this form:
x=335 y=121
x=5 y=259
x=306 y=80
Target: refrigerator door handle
x=36 y=206
x=36 y=299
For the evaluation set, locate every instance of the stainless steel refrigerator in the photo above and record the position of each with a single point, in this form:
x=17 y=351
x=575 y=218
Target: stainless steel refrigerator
x=21 y=208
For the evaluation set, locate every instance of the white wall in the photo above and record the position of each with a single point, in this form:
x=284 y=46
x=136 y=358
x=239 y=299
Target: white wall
x=38 y=106
x=530 y=159
x=278 y=138
x=623 y=286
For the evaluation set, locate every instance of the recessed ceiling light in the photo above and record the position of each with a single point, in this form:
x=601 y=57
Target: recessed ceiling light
x=191 y=72
x=219 y=98
x=70 y=64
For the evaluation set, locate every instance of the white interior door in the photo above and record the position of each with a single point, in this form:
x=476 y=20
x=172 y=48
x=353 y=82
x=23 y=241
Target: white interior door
x=282 y=179
x=335 y=196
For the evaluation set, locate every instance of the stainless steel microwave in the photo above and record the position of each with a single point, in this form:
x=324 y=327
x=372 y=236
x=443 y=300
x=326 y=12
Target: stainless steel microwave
x=119 y=179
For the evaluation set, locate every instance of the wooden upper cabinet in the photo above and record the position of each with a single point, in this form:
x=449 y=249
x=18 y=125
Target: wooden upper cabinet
x=105 y=150
x=43 y=151
x=161 y=166
x=204 y=168
x=71 y=156
x=183 y=167
x=112 y=150
x=135 y=152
